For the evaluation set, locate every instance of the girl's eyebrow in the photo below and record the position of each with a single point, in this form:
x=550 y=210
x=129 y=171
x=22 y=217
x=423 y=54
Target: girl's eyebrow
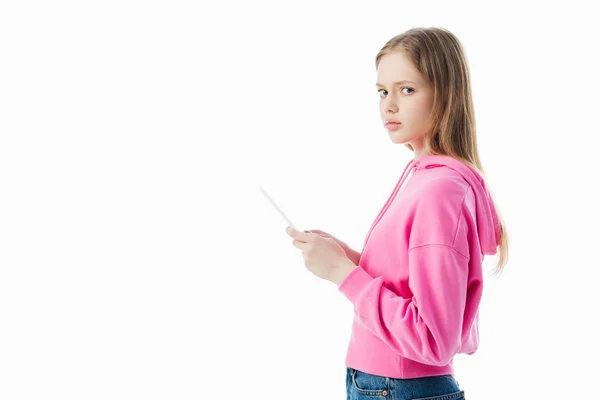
x=396 y=83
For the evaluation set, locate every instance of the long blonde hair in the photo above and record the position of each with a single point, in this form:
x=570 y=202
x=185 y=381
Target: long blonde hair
x=440 y=58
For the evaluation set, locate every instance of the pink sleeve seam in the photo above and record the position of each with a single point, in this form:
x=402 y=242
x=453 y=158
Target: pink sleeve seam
x=441 y=245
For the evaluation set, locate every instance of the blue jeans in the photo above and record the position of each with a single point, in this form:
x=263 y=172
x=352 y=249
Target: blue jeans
x=362 y=386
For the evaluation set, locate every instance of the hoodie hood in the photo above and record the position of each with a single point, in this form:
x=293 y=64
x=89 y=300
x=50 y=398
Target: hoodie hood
x=488 y=224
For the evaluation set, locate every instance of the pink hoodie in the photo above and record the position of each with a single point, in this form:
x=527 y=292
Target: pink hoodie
x=418 y=285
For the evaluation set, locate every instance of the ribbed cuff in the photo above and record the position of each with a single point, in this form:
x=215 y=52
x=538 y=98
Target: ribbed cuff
x=354 y=282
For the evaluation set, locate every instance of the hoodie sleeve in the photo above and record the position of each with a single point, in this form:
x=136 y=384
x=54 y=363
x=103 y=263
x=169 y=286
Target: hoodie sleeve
x=426 y=327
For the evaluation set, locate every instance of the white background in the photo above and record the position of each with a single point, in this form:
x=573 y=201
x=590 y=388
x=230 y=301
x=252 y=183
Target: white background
x=138 y=259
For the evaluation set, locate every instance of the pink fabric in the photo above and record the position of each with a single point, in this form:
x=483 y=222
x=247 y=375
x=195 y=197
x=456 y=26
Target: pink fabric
x=418 y=286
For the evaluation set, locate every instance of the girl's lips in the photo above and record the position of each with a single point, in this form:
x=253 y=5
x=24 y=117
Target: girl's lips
x=392 y=125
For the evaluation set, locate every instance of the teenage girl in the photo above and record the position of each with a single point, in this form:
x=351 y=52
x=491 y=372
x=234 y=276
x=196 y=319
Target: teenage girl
x=417 y=284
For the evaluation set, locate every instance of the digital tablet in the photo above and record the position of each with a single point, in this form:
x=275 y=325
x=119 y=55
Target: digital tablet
x=264 y=192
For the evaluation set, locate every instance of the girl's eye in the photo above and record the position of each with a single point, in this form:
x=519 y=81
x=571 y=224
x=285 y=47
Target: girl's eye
x=400 y=89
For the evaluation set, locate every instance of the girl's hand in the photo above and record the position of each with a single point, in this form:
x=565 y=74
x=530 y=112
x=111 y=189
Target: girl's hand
x=352 y=254
x=324 y=257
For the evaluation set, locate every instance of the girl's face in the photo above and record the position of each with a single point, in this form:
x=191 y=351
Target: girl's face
x=408 y=102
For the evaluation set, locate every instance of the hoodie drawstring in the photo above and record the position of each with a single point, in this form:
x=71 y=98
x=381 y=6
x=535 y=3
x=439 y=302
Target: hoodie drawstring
x=407 y=170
